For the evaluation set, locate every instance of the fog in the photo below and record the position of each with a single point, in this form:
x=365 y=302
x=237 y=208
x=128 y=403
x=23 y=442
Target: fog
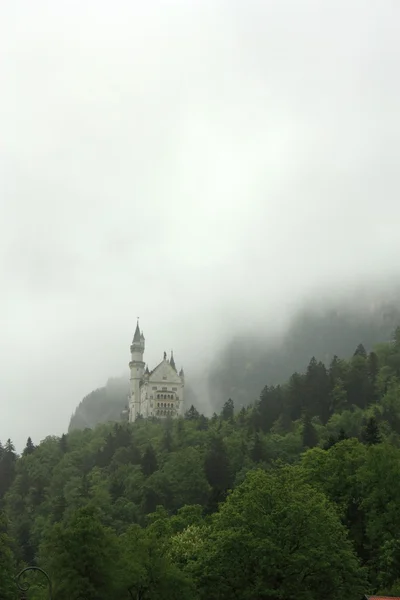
x=205 y=166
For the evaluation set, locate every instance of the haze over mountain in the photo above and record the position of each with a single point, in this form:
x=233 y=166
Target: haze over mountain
x=249 y=362
x=209 y=167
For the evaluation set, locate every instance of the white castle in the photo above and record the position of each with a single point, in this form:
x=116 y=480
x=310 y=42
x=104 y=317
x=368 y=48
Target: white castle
x=156 y=393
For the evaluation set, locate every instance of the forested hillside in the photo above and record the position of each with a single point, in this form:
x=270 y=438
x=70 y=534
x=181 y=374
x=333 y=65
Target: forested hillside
x=247 y=363
x=295 y=496
x=102 y=405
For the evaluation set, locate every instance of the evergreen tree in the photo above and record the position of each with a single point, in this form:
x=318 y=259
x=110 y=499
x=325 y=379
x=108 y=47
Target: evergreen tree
x=268 y=408
x=167 y=440
x=338 y=396
x=29 y=448
x=7 y=467
x=192 y=414
x=202 y=424
x=360 y=351
x=242 y=416
x=149 y=461
x=217 y=469
x=296 y=396
x=63 y=443
x=257 y=453
x=310 y=438
x=228 y=410
x=331 y=441
x=396 y=338
x=7 y=563
x=370 y=433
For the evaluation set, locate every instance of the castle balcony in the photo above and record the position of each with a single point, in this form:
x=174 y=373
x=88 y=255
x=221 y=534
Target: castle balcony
x=164 y=412
x=165 y=395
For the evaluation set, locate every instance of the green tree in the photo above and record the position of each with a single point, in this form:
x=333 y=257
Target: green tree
x=80 y=556
x=7 y=466
x=360 y=351
x=257 y=452
x=147 y=570
x=370 y=433
x=149 y=461
x=310 y=437
x=217 y=470
x=338 y=396
x=228 y=410
x=267 y=542
x=7 y=563
x=192 y=413
x=29 y=448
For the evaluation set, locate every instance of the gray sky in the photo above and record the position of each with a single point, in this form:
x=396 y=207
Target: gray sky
x=202 y=165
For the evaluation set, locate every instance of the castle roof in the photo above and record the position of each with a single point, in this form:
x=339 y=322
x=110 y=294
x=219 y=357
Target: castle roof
x=137 y=336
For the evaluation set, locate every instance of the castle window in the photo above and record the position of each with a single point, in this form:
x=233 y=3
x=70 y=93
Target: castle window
x=154 y=387
x=174 y=389
x=164 y=389
x=165 y=377
x=151 y=397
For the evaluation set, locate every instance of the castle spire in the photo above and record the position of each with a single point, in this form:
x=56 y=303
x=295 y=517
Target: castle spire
x=136 y=337
x=172 y=362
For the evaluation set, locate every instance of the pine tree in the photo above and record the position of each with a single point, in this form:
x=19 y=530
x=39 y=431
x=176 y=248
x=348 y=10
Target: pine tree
x=228 y=410
x=7 y=563
x=396 y=338
x=360 y=351
x=373 y=370
x=202 y=424
x=331 y=441
x=217 y=470
x=192 y=413
x=63 y=443
x=310 y=438
x=167 y=440
x=338 y=396
x=149 y=461
x=257 y=452
x=29 y=448
x=242 y=416
x=370 y=434
x=7 y=467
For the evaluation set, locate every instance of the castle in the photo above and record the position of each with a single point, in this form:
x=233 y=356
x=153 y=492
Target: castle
x=156 y=393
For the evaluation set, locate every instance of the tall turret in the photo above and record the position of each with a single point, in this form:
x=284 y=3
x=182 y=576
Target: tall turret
x=136 y=366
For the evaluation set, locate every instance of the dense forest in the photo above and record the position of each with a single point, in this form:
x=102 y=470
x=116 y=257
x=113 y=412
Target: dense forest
x=292 y=497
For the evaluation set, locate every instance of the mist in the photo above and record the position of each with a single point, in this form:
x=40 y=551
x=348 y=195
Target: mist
x=208 y=167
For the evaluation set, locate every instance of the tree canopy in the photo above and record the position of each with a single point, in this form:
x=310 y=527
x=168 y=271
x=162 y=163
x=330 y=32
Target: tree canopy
x=292 y=496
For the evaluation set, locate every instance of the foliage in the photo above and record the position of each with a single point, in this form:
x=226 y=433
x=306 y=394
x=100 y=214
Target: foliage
x=295 y=495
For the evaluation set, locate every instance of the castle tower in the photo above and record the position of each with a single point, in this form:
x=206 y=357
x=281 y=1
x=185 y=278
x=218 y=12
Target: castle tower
x=136 y=366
